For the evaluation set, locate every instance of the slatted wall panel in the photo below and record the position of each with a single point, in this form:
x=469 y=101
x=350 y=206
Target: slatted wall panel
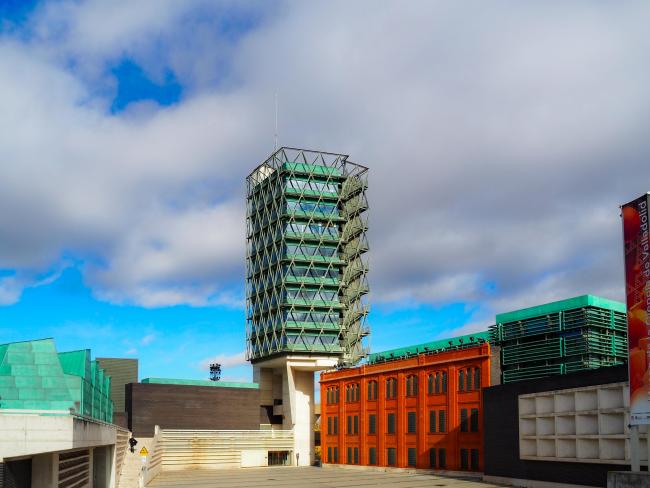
x=74 y=469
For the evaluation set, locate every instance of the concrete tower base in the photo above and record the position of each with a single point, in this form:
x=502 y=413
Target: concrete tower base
x=287 y=384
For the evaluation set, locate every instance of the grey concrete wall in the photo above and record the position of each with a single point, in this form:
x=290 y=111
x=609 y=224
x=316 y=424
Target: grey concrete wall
x=626 y=479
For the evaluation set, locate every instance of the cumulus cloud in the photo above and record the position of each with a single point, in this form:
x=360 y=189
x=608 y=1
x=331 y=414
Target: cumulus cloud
x=225 y=360
x=500 y=140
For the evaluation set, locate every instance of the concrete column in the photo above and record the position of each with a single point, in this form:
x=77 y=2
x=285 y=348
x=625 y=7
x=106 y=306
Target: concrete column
x=292 y=380
x=91 y=467
x=44 y=468
x=300 y=389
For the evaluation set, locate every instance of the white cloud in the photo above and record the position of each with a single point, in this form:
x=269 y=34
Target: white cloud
x=12 y=286
x=147 y=339
x=499 y=145
x=225 y=360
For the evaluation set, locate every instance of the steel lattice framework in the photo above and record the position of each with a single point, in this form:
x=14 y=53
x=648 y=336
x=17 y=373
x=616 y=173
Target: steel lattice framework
x=306 y=285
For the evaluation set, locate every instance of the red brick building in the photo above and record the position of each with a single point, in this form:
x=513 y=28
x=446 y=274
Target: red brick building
x=423 y=411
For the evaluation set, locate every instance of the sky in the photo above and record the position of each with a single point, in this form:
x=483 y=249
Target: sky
x=501 y=139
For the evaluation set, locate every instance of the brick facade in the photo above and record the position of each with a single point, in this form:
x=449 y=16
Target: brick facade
x=423 y=417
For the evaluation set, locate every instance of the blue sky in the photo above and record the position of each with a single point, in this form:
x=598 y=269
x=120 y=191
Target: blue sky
x=175 y=341
x=499 y=147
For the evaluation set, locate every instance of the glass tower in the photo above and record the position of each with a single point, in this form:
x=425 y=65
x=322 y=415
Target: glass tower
x=306 y=224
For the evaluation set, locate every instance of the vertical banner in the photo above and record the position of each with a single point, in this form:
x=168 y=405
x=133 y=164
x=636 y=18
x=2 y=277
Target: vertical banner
x=637 y=292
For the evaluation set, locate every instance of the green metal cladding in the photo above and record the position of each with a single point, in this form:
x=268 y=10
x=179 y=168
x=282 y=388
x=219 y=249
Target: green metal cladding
x=33 y=376
x=306 y=282
x=576 y=334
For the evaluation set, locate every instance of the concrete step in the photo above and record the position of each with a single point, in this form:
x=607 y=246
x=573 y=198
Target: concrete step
x=132 y=466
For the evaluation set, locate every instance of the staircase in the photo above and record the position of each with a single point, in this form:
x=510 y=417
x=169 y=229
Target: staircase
x=132 y=465
x=215 y=449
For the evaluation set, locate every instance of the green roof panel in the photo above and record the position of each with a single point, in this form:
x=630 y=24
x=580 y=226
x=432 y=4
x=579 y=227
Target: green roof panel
x=559 y=306
x=220 y=384
x=431 y=346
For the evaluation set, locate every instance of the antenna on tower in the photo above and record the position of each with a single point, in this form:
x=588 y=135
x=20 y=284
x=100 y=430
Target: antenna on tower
x=276 y=123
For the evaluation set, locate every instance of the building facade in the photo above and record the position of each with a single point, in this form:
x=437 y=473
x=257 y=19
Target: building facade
x=420 y=411
x=306 y=279
x=55 y=418
x=563 y=337
x=306 y=271
x=193 y=405
x=570 y=429
x=122 y=371
x=34 y=376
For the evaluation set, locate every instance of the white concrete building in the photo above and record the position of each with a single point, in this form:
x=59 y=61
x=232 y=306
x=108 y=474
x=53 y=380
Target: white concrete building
x=44 y=449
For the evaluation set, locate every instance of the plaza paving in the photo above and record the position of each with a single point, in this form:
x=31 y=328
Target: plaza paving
x=307 y=477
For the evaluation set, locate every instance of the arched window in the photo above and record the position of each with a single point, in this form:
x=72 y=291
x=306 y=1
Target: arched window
x=372 y=390
x=391 y=388
x=477 y=378
x=352 y=392
x=430 y=383
x=411 y=385
x=333 y=395
x=444 y=382
x=468 y=379
x=461 y=380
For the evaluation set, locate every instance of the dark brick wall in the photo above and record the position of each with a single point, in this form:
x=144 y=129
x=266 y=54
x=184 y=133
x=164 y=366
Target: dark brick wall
x=190 y=407
x=501 y=431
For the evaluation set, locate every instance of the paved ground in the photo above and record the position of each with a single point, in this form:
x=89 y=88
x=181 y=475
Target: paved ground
x=307 y=477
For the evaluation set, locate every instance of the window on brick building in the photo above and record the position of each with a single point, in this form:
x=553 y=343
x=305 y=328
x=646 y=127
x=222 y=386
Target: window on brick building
x=473 y=420
x=390 y=427
x=464 y=459
x=411 y=385
x=432 y=421
x=356 y=424
x=372 y=390
x=441 y=421
x=372 y=456
x=461 y=380
x=411 y=423
x=463 y=420
x=432 y=457
x=412 y=457
x=437 y=382
x=392 y=456
x=356 y=455
x=333 y=395
x=477 y=378
x=442 y=458
x=391 y=388
x=474 y=460
x=349 y=457
x=372 y=424
x=336 y=454
x=352 y=392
